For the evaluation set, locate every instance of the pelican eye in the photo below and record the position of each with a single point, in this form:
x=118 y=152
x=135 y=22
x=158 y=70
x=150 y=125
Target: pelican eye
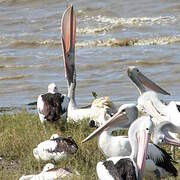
x=161 y=140
x=68 y=55
x=147 y=128
x=124 y=110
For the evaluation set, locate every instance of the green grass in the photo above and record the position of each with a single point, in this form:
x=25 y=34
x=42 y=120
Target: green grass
x=21 y=132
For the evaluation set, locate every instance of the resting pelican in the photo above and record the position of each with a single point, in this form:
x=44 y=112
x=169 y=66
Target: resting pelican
x=158 y=161
x=49 y=172
x=55 y=148
x=129 y=166
x=52 y=104
x=68 y=45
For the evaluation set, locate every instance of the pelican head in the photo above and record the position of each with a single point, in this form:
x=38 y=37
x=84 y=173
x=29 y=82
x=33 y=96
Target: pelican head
x=68 y=25
x=161 y=134
x=52 y=88
x=103 y=109
x=54 y=136
x=131 y=111
x=47 y=167
x=140 y=80
x=122 y=119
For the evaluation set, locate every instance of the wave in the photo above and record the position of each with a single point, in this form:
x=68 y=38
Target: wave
x=33 y=44
x=110 y=42
x=21 y=66
x=114 y=42
x=105 y=24
x=14 y=77
x=135 y=20
x=152 y=62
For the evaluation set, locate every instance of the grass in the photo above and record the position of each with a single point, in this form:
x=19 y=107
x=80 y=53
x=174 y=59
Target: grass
x=21 y=132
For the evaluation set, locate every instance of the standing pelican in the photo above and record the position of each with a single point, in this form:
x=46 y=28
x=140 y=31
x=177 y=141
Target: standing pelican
x=128 y=167
x=158 y=161
x=149 y=102
x=68 y=44
x=52 y=104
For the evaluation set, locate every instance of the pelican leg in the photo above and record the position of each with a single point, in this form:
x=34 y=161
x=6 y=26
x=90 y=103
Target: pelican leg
x=157 y=173
x=173 y=151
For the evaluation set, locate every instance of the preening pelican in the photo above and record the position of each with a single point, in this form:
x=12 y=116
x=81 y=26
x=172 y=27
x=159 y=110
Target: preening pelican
x=150 y=98
x=162 y=134
x=128 y=167
x=158 y=161
x=49 y=172
x=68 y=45
x=149 y=103
x=55 y=148
x=52 y=104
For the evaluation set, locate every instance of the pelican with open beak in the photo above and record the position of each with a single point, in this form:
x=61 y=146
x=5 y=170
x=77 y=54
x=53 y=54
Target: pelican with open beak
x=68 y=25
x=68 y=29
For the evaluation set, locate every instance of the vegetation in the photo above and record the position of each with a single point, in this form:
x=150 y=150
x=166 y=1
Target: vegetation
x=21 y=132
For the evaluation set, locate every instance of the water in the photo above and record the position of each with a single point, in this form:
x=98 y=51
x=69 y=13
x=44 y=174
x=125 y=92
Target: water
x=111 y=35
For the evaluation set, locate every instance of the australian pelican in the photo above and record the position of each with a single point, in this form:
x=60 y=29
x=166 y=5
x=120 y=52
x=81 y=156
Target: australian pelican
x=52 y=104
x=126 y=166
x=141 y=81
x=149 y=102
x=49 y=172
x=56 y=148
x=162 y=134
x=158 y=161
x=103 y=108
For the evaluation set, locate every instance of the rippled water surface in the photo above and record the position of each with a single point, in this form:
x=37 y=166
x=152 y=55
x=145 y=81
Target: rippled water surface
x=111 y=35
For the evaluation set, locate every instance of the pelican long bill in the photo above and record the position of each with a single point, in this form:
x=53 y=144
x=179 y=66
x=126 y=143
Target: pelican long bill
x=172 y=141
x=68 y=29
x=135 y=75
x=143 y=140
x=118 y=117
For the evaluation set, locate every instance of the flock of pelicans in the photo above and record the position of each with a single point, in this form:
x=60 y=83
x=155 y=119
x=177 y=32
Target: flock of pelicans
x=132 y=157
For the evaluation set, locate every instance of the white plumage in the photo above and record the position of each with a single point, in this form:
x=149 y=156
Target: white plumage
x=149 y=103
x=50 y=173
x=55 y=148
x=120 y=146
x=101 y=108
x=68 y=41
x=118 y=167
x=52 y=105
